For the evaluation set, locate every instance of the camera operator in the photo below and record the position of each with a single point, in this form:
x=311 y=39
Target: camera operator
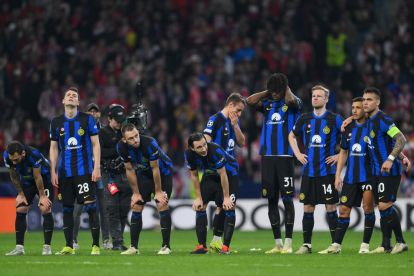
x=117 y=192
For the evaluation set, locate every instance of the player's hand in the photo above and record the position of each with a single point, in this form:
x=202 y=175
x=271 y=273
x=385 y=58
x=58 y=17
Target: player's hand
x=161 y=198
x=21 y=199
x=346 y=123
x=198 y=204
x=332 y=160
x=96 y=174
x=302 y=158
x=55 y=181
x=44 y=203
x=407 y=164
x=338 y=183
x=386 y=166
x=136 y=198
x=227 y=203
x=233 y=118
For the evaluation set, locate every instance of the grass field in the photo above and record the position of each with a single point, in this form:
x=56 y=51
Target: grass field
x=245 y=262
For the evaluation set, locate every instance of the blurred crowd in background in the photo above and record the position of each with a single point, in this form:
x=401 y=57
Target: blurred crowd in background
x=190 y=55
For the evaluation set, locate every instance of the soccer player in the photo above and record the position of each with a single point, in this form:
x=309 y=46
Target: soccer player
x=223 y=129
x=281 y=108
x=149 y=171
x=219 y=183
x=75 y=166
x=357 y=182
x=386 y=142
x=30 y=174
x=320 y=131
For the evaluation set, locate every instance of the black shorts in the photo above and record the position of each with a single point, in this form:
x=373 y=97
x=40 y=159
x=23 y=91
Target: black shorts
x=386 y=188
x=211 y=189
x=277 y=176
x=81 y=188
x=351 y=194
x=318 y=190
x=31 y=191
x=147 y=186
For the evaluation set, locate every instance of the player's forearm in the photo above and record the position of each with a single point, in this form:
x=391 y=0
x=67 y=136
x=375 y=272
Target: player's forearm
x=240 y=139
x=53 y=156
x=400 y=142
x=16 y=181
x=257 y=97
x=132 y=180
x=343 y=156
x=293 y=144
x=157 y=179
x=291 y=99
x=196 y=183
x=96 y=155
x=39 y=185
x=224 y=184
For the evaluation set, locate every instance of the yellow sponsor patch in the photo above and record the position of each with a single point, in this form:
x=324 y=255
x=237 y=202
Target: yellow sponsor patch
x=344 y=199
x=264 y=192
x=372 y=134
x=284 y=108
x=326 y=130
x=81 y=131
x=302 y=196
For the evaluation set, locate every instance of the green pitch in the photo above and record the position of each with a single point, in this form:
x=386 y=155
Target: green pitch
x=245 y=262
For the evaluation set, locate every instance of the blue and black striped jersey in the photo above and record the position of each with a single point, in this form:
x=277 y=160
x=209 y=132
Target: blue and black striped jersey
x=221 y=132
x=215 y=159
x=381 y=129
x=32 y=160
x=355 y=140
x=278 y=121
x=75 y=146
x=140 y=157
x=320 y=136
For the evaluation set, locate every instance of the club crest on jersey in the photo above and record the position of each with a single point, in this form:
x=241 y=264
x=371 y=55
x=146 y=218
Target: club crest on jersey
x=344 y=199
x=81 y=131
x=372 y=134
x=326 y=130
x=367 y=140
x=301 y=196
x=210 y=123
x=264 y=192
x=284 y=108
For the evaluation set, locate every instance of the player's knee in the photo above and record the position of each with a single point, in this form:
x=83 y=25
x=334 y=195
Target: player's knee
x=308 y=208
x=368 y=208
x=344 y=211
x=272 y=202
x=218 y=210
x=162 y=208
x=330 y=207
x=22 y=209
x=382 y=206
x=137 y=208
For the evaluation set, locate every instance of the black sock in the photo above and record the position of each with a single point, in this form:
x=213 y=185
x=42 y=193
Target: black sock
x=68 y=225
x=90 y=208
x=289 y=216
x=21 y=226
x=332 y=222
x=201 y=227
x=229 y=224
x=218 y=223
x=368 y=226
x=136 y=227
x=307 y=225
x=165 y=222
x=396 y=225
x=274 y=217
x=386 y=231
x=48 y=225
x=342 y=226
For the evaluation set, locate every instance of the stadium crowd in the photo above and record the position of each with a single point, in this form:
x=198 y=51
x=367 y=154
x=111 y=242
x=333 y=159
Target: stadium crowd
x=190 y=55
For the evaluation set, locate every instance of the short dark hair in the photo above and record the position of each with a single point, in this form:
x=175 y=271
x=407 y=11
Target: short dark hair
x=72 y=88
x=235 y=98
x=373 y=90
x=357 y=99
x=196 y=136
x=127 y=127
x=15 y=146
x=277 y=82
